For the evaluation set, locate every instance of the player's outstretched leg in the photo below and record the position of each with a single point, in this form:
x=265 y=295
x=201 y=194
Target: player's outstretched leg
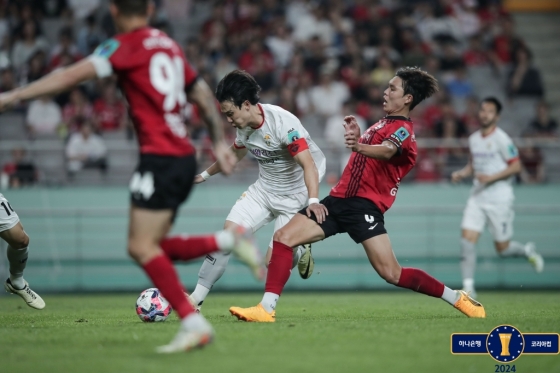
x=517 y=249
x=18 y=243
x=305 y=262
x=382 y=258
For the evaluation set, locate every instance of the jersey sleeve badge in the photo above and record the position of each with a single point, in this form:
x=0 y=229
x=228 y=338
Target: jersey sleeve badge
x=293 y=135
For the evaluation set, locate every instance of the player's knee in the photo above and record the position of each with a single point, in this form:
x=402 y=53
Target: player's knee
x=20 y=242
x=391 y=275
x=283 y=236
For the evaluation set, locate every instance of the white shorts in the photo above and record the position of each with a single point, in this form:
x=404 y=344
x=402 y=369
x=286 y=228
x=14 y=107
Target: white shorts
x=256 y=208
x=8 y=217
x=498 y=216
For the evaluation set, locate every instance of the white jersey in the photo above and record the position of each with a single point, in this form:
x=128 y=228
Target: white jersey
x=492 y=154
x=279 y=173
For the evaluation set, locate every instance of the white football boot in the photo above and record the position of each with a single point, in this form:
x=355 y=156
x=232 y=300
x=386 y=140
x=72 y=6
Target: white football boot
x=29 y=296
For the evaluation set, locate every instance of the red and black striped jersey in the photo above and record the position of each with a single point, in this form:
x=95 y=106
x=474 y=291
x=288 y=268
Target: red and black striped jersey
x=378 y=180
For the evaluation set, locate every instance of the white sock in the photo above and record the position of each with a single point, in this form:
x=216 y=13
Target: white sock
x=514 y=249
x=450 y=296
x=195 y=322
x=200 y=293
x=225 y=240
x=468 y=284
x=269 y=301
x=18 y=260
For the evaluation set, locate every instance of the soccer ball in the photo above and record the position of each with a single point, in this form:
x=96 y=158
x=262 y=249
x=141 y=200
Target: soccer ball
x=152 y=307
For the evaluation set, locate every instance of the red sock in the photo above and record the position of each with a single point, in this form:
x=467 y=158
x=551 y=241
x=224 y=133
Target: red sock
x=279 y=268
x=419 y=281
x=164 y=277
x=188 y=247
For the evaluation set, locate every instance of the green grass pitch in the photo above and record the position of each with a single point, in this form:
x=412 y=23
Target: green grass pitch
x=315 y=332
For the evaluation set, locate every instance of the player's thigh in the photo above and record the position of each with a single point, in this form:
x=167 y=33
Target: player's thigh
x=381 y=256
x=11 y=229
x=146 y=229
x=360 y=217
x=285 y=207
x=500 y=221
x=251 y=210
x=474 y=217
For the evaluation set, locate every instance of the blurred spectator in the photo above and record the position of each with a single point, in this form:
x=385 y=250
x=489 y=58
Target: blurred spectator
x=459 y=88
x=525 y=80
x=436 y=28
x=506 y=43
x=470 y=116
x=65 y=46
x=281 y=44
x=383 y=72
x=43 y=117
x=256 y=57
x=314 y=23
x=450 y=59
x=35 y=69
x=465 y=12
x=427 y=166
x=450 y=129
x=475 y=55
x=85 y=149
x=77 y=107
x=109 y=110
x=18 y=172
x=7 y=80
x=83 y=8
x=89 y=36
x=28 y=44
x=223 y=66
x=543 y=125
x=532 y=162
x=327 y=97
x=314 y=56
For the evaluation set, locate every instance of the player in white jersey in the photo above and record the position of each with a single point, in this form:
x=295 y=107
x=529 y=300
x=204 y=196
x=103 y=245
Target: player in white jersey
x=12 y=232
x=291 y=166
x=494 y=161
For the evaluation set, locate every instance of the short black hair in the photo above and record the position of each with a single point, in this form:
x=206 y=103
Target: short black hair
x=238 y=86
x=417 y=83
x=132 y=7
x=496 y=102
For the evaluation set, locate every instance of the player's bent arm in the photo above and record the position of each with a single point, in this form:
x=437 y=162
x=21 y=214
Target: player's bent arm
x=464 y=172
x=57 y=81
x=512 y=169
x=202 y=96
x=383 y=152
x=310 y=172
x=215 y=168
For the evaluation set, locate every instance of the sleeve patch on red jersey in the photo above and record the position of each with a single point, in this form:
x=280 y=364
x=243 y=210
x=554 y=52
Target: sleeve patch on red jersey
x=297 y=146
x=402 y=134
x=107 y=48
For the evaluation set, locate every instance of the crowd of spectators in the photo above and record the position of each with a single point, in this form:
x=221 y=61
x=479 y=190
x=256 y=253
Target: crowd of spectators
x=320 y=59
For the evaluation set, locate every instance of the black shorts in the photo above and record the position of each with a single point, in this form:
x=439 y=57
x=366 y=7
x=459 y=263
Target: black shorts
x=359 y=217
x=162 y=182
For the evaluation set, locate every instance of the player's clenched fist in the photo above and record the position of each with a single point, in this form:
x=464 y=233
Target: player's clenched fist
x=352 y=134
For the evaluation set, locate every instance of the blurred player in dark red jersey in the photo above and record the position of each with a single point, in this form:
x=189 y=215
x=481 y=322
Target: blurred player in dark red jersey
x=156 y=80
x=381 y=158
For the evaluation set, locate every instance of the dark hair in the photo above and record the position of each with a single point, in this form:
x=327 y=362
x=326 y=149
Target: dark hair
x=417 y=83
x=238 y=86
x=132 y=7
x=496 y=102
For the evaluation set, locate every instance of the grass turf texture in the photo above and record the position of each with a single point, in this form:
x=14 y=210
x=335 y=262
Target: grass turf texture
x=325 y=332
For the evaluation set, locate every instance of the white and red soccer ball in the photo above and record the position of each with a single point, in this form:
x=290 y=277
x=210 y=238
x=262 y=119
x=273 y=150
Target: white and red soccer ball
x=152 y=307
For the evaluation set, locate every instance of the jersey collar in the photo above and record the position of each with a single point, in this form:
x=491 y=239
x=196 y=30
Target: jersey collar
x=262 y=112
x=398 y=117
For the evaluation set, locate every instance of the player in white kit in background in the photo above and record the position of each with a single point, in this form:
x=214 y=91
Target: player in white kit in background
x=494 y=161
x=12 y=232
x=291 y=166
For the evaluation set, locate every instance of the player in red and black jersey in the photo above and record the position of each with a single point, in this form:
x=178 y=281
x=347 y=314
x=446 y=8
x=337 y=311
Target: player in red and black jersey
x=381 y=158
x=157 y=80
